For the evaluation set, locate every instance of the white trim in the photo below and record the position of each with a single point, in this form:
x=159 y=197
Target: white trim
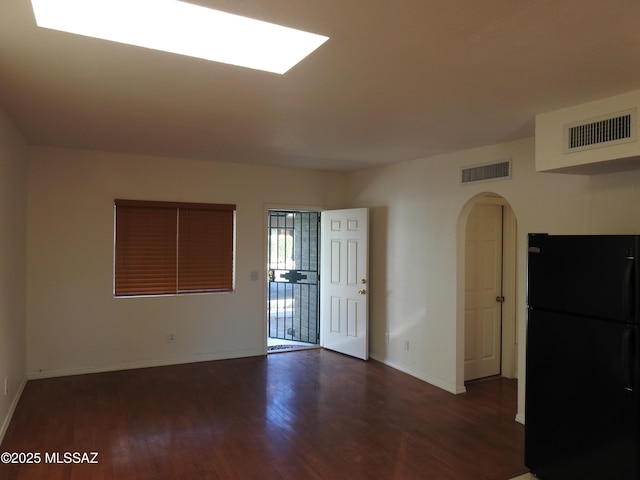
x=509 y=362
x=12 y=409
x=146 y=364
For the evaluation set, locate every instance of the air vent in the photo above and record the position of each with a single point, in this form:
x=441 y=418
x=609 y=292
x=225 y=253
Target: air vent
x=600 y=132
x=487 y=172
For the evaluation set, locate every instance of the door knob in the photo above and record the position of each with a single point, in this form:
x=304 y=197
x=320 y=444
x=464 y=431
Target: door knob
x=362 y=292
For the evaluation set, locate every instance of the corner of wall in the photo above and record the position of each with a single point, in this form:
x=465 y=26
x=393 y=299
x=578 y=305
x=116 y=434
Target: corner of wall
x=12 y=407
x=13 y=218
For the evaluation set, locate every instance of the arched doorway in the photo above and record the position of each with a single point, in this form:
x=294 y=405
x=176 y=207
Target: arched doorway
x=486 y=334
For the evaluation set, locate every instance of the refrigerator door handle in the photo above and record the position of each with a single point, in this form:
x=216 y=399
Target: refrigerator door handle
x=628 y=358
x=628 y=295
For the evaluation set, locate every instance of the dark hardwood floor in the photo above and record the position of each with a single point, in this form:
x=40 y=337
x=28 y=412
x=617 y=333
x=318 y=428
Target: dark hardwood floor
x=310 y=414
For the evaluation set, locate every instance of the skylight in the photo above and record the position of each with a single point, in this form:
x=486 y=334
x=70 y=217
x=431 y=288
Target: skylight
x=181 y=28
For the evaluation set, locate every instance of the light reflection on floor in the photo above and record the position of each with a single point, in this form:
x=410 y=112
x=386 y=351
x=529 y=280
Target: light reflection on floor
x=289 y=344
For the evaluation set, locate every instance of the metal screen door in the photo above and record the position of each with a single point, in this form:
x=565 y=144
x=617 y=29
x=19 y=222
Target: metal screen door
x=293 y=295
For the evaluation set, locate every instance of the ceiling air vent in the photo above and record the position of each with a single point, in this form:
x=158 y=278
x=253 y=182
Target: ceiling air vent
x=487 y=172
x=600 y=132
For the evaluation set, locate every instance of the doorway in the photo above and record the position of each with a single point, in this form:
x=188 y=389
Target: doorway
x=293 y=299
x=298 y=316
x=483 y=292
x=489 y=289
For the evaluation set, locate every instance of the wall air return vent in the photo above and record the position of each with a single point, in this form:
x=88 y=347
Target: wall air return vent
x=486 y=172
x=590 y=139
x=600 y=132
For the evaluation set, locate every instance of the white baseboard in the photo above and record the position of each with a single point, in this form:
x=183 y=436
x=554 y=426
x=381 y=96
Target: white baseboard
x=432 y=381
x=12 y=408
x=520 y=418
x=144 y=364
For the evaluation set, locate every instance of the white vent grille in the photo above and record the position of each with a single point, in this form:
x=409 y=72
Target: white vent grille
x=487 y=172
x=600 y=132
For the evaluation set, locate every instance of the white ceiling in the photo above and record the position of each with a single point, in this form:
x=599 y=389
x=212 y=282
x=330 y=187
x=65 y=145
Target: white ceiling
x=397 y=80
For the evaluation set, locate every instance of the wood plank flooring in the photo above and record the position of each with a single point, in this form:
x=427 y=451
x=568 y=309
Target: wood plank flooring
x=310 y=414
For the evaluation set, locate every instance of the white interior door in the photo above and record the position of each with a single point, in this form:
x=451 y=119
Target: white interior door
x=483 y=292
x=344 y=282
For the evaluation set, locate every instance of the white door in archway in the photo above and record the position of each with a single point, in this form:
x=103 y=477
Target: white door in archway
x=483 y=292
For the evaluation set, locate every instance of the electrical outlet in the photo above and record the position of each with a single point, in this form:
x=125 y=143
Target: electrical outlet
x=406 y=344
x=386 y=337
x=171 y=338
x=6 y=386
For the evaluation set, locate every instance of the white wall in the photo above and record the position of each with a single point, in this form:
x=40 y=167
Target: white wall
x=13 y=241
x=417 y=209
x=74 y=323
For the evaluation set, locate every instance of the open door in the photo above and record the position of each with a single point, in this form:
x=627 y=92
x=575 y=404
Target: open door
x=343 y=282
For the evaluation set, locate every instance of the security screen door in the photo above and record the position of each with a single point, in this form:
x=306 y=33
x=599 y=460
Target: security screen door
x=293 y=290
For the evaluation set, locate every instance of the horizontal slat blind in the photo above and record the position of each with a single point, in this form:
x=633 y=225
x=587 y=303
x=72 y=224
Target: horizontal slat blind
x=146 y=242
x=168 y=248
x=205 y=251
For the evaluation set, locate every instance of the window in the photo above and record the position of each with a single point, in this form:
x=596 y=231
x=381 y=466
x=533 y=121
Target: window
x=166 y=248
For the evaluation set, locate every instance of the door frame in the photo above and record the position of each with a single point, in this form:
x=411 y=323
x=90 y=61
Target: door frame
x=265 y=253
x=265 y=249
x=509 y=345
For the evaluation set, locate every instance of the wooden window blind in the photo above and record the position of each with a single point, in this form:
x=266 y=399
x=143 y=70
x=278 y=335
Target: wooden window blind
x=205 y=250
x=166 y=248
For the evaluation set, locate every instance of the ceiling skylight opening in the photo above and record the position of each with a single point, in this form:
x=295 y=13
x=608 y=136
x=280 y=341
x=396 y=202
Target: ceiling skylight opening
x=182 y=28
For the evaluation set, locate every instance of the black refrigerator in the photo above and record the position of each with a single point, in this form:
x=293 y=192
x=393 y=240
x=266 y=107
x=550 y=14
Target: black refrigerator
x=582 y=404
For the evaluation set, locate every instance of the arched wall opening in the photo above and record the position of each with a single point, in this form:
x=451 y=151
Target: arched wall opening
x=508 y=327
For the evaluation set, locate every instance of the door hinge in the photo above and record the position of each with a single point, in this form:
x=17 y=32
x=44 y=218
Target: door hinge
x=500 y=299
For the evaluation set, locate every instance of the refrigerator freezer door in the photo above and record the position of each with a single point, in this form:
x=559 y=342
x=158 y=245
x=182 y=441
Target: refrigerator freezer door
x=591 y=275
x=581 y=398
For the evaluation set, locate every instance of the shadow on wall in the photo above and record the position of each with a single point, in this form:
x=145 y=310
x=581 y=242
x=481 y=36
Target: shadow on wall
x=378 y=322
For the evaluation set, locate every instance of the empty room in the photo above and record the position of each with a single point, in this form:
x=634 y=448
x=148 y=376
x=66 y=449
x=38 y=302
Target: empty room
x=315 y=268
